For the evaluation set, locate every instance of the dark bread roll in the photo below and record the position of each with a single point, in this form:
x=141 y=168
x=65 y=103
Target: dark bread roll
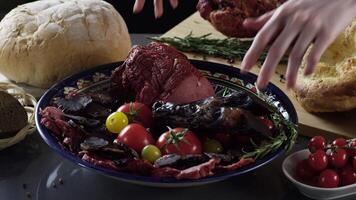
x=13 y=116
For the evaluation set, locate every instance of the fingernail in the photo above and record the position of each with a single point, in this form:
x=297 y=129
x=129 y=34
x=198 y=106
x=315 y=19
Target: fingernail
x=158 y=14
x=261 y=85
x=290 y=86
x=134 y=10
x=307 y=73
x=246 y=21
x=175 y=5
x=243 y=67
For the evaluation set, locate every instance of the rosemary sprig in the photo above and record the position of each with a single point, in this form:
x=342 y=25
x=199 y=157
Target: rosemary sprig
x=287 y=137
x=228 y=48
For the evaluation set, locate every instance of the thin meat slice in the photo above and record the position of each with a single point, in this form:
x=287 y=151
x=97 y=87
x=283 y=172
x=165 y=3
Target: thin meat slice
x=196 y=172
x=165 y=172
x=199 y=171
x=95 y=160
x=234 y=166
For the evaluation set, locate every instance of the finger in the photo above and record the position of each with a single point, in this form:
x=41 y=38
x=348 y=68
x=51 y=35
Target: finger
x=297 y=53
x=322 y=42
x=257 y=23
x=278 y=49
x=138 y=6
x=158 y=4
x=263 y=37
x=174 y=3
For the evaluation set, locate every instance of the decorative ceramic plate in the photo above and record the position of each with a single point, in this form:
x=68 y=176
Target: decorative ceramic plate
x=224 y=79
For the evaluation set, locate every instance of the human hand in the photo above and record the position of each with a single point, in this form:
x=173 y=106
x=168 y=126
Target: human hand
x=296 y=24
x=158 y=6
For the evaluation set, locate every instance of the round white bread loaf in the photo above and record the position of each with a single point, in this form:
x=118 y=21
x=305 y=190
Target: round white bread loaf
x=44 y=41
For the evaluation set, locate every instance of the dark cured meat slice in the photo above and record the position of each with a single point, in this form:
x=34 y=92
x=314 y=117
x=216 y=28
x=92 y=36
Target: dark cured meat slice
x=160 y=72
x=241 y=163
x=68 y=132
x=195 y=172
x=95 y=160
x=141 y=167
x=228 y=113
x=199 y=171
x=165 y=172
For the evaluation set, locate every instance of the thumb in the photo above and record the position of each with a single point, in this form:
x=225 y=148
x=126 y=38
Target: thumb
x=259 y=22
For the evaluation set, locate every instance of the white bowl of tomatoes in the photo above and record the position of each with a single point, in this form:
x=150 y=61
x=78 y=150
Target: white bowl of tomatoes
x=324 y=171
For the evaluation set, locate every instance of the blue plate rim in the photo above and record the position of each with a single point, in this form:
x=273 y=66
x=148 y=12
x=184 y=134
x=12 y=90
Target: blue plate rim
x=221 y=68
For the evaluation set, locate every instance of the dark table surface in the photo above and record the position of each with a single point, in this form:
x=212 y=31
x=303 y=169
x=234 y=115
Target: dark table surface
x=31 y=170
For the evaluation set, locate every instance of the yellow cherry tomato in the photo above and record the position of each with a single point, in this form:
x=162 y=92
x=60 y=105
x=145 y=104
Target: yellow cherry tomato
x=212 y=146
x=116 y=122
x=150 y=153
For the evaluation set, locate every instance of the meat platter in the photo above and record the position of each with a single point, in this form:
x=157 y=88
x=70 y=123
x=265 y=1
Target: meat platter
x=186 y=124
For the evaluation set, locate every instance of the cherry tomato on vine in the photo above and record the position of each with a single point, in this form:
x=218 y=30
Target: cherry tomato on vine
x=339 y=142
x=179 y=141
x=352 y=152
x=116 y=122
x=347 y=175
x=304 y=171
x=316 y=143
x=135 y=136
x=338 y=158
x=318 y=160
x=137 y=113
x=328 y=179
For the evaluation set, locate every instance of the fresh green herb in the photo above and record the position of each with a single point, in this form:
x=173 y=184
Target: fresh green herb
x=228 y=48
x=286 y=130
x=287 y=136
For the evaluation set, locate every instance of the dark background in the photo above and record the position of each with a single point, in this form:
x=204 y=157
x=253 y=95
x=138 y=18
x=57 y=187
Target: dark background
x=143 y=22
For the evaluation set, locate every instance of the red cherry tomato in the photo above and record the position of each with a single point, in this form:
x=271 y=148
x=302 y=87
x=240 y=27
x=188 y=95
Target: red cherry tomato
x=352 y=152
x=339 y=142
x=135 y=136
x=347 y=175
x=304 y=172
x=254 y=89
x=338 y=158
x=267 y=122
x=328 y=179
x=137 y=113
x=316 y=143
x=318 y=160
x=179 y=141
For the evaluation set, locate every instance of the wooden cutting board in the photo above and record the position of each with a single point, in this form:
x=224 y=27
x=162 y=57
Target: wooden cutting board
x=328 y=124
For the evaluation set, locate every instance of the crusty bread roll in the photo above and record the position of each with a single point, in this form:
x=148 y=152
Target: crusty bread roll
x=13 y=116
x=333 y=85
x=45 y=41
